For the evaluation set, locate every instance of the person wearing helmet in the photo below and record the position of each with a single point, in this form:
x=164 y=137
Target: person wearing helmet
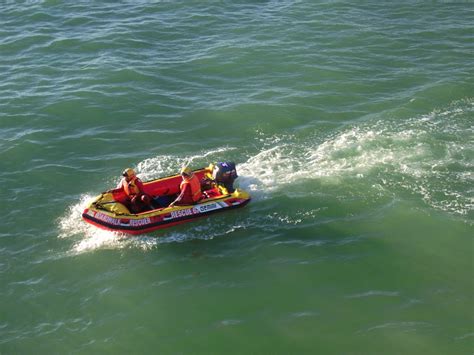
x=190 y=189
x=138 y=201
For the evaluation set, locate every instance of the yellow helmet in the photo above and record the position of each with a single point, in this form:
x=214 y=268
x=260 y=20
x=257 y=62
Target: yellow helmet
x=185 y=170
x=129 y=172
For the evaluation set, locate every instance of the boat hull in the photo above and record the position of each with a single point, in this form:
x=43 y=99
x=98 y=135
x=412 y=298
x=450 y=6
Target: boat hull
x=148 y=222
x=103 y=213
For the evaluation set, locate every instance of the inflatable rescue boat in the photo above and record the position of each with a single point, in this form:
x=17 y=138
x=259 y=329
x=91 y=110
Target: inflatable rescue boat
x=109 y=210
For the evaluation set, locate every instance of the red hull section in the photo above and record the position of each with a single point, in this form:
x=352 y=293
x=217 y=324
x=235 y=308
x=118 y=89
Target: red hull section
x=102 y=212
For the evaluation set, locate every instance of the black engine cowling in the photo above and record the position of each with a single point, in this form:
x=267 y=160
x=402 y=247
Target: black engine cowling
x=224 y=173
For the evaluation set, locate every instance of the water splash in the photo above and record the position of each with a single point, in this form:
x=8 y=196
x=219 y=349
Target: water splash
x=72 y=226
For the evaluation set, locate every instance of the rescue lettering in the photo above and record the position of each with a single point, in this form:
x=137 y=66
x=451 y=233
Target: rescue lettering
x=107 y=219
x=140 y=222
x=182 y=213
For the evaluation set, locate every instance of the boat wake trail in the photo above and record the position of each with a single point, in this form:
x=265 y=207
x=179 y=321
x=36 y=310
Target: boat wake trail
x=429 y=156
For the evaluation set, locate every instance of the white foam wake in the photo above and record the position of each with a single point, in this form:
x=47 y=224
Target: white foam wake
x=428 y=155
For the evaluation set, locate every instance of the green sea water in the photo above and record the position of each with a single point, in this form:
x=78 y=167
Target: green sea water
x=351 y=124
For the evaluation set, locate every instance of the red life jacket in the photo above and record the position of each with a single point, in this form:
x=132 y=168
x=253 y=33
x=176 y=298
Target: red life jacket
x=131 y=187
x=193 y=193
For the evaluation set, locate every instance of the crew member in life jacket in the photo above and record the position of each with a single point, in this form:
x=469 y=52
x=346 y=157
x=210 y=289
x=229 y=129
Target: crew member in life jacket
x=137 y=200
x=190 y=189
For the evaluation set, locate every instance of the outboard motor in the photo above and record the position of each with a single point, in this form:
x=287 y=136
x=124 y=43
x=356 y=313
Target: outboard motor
x=224 y=173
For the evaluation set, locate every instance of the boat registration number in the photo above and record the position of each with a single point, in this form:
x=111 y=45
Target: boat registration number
x=195 y=210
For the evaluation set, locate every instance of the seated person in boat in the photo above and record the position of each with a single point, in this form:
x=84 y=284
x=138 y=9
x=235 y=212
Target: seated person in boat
x=137 y=200
x=190 y=189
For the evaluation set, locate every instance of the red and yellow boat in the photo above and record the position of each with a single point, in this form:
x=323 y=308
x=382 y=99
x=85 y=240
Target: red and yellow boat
x=108 y=210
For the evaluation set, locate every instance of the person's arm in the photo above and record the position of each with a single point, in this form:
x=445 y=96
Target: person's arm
x=181 y=195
